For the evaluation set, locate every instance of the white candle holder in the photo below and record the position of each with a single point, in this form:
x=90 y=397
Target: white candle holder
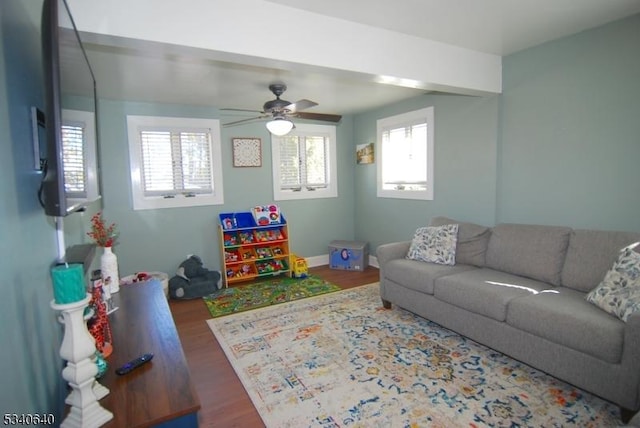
x=78 y=348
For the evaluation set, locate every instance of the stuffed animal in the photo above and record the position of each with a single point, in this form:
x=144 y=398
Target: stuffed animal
x=193 y=280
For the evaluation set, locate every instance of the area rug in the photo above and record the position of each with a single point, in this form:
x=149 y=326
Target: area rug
x=266 y=293
x=342 y=360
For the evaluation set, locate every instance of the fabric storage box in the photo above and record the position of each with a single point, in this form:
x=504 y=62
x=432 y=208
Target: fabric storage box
x=348 y=255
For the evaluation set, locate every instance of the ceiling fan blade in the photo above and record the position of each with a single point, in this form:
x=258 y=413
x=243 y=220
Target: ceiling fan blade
x=319 y=116
x=300 y=105
x=242 y=109
x=238 y=122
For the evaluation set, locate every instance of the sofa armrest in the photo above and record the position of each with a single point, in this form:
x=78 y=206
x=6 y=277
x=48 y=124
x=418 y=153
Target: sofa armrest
x=385 y=253
x=391 y=251
x=631 y=353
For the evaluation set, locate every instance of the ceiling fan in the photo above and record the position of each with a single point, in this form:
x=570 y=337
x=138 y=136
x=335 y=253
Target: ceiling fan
x=280 y=111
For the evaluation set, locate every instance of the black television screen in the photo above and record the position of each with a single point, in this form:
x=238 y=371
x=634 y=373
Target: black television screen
x=70 y=170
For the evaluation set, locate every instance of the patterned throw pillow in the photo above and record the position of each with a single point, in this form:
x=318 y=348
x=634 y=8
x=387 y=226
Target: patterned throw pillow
x=435 y=244
x=619 y=291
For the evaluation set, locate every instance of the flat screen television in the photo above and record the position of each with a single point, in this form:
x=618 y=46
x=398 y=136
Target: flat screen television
x=70 y=163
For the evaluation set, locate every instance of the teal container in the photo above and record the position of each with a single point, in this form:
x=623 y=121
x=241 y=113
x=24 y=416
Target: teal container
x=68 y=283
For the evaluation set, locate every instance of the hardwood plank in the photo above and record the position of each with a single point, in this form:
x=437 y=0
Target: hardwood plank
x=223 y=400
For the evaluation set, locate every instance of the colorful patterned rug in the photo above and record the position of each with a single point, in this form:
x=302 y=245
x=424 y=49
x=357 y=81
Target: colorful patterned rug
x=271 y=292
x=342 y=360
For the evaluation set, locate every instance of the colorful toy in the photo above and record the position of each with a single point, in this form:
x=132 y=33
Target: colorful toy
x=229 y=223
x=244 y=270
x=230 y=239
x=269 y=235
x=267 y=214
x=271 y=266
x=246 y=237
x=231 y=256
x=263 y=252
x=248 y=254
x=299 y=265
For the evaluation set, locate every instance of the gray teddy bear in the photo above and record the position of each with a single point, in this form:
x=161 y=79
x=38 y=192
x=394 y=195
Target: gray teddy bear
x=193 y=280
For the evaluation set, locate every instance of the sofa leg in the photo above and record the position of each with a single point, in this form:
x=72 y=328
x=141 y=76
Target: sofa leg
x=626 y=414
x=386 y=304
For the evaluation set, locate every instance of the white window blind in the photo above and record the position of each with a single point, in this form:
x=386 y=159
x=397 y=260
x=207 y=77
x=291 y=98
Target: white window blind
x=176 y=162
x=73 y=154
x=303 y=162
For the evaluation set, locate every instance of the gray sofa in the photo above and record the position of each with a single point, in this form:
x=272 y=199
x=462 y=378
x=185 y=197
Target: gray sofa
x=520 y=289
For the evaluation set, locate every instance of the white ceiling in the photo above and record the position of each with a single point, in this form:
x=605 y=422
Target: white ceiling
x=499 y=27
x=153 y=72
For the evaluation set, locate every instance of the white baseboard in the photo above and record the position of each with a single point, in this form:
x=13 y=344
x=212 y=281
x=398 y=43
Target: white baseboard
x=323 y=260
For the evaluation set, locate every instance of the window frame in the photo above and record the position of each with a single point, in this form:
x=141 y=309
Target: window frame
x=307 y=130
x=140 y=201
x=86 y=120
x=424 y=115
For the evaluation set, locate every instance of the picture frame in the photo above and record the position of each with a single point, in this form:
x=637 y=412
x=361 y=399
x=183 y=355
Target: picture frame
x=247 y=152
x=365 y=154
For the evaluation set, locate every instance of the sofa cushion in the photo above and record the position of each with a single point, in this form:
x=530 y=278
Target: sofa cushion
x=435 y=244
x=419 y=276
x=485 y=291
x=562 y=315
x=533 y=251
x=619 y=291
x=590 y=254
x=472 y=240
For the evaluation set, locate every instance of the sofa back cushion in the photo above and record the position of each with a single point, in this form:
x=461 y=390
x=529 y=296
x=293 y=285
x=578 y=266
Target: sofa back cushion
x=472 y=240
x=532 y=251
x=591 y=254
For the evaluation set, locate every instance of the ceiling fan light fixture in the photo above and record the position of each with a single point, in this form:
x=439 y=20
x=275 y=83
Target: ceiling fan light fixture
x=279 y=126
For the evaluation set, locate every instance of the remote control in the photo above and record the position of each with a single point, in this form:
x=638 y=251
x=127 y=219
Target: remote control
x=134 y=364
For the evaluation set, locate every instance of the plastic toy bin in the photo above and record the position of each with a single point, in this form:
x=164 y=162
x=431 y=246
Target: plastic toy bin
x=236 y=220
x=348 y=255
x=242 y=220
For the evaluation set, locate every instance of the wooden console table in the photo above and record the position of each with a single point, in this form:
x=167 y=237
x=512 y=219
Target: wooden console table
x=159 y=393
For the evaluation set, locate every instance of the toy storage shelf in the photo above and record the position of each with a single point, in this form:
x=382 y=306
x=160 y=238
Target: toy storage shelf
x=251 y=251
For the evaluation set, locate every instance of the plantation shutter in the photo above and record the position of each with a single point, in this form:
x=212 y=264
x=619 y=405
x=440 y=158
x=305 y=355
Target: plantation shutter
x=73 y=160
x=176 y=162
x=290 y=163
x=303 y=162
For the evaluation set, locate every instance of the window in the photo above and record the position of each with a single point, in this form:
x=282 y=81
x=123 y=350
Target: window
x=79 y=155
x=406 y=146
x=175 y=162
x=304 y=163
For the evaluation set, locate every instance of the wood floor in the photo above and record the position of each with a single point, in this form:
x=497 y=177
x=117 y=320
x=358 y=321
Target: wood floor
x=222 y=397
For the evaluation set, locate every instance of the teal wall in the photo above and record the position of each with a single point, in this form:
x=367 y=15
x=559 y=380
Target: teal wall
x=30 y=336
x=559 y=146
x=570 y=141
x=158 y=240
x=465 y=169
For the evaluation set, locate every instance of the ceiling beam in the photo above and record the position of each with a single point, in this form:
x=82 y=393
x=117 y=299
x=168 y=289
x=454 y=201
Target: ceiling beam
x=262 y=33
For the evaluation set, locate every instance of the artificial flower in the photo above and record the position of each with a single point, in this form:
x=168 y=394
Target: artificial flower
x=102 y=235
